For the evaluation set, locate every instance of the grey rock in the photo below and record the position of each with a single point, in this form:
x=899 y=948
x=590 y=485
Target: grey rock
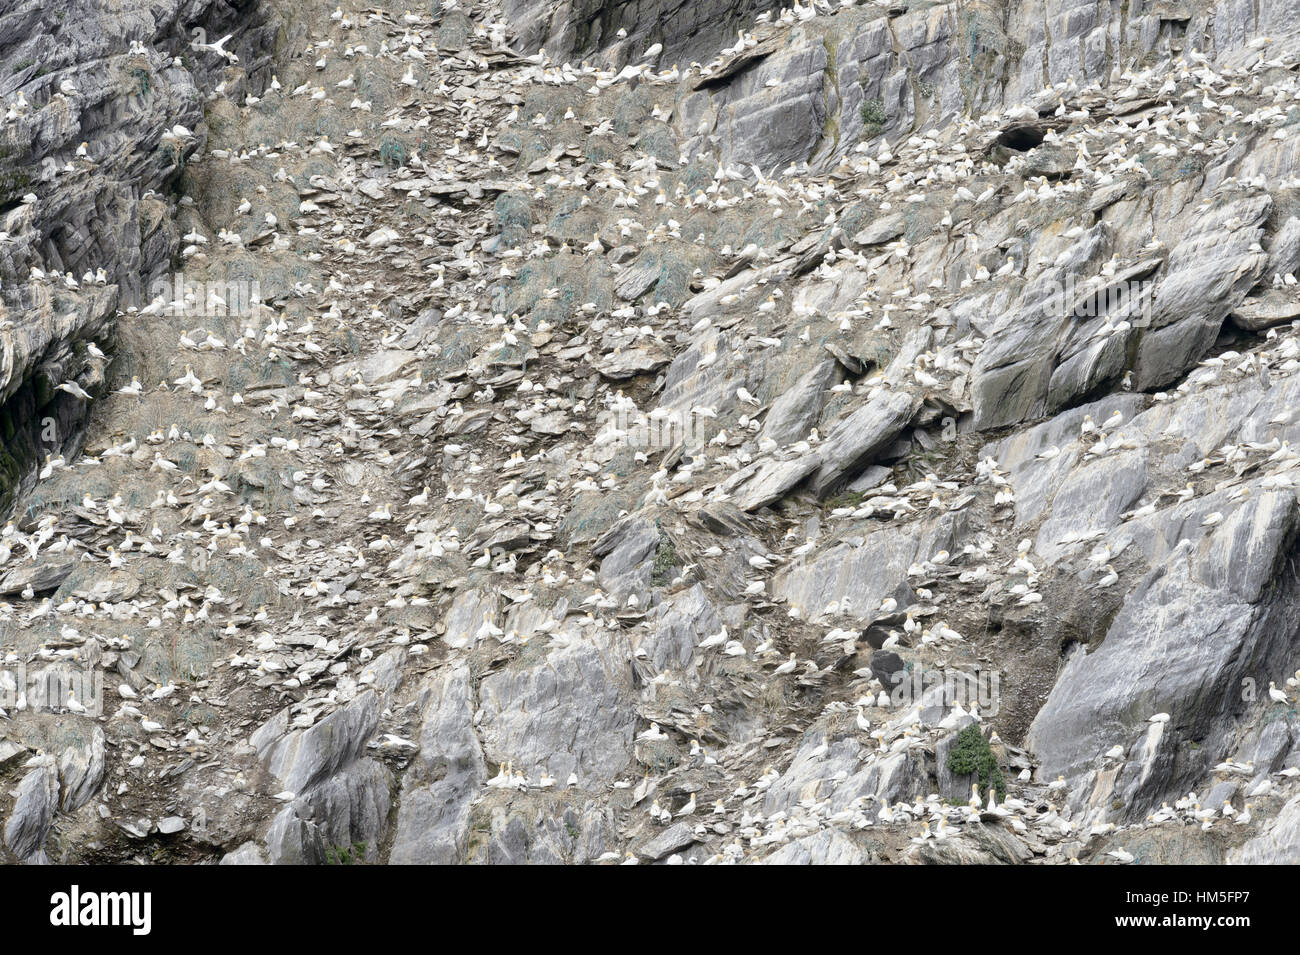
x=570 y=835
x=882 y=230
x=109 y=214
x=630 y=362
x=1221 y=794
x=1284 y=250
x=469 y=611
x=680 y=623
x=770 y=480
x=797 y=410
x=434 y=814
x=306 y=757
x=575 y=27
x=1158 y=655
x=32 y=813
x=808 y=776
x=978 y=844
x=884 y=664
x=673 y=839
x=845 y=451
x=858 y=573
x=40 y=577
x=827 y=847
x=1208 y=273
x=9 y=750
x=81 y=771
x=625 y=548
x=1064 y=293
x=378 y=368
x=572 y=714
x=1272 y=307
x=250 y=853
x=350 y=809
x=293 y=840
x=1277 y=844
x=1275 y=741
x=856 y=438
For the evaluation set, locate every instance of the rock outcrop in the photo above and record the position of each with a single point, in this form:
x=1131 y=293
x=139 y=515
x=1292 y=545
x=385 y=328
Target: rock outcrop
x=106 y=105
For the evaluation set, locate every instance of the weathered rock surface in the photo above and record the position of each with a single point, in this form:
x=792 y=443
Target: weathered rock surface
x=849 y=434
x=433 y=821
x=32 y=813
x=1278 y=844
x=82 y=179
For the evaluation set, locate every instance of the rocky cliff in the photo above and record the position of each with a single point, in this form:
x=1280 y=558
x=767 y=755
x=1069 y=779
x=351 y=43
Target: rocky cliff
x=631 y=432
x=104 y=107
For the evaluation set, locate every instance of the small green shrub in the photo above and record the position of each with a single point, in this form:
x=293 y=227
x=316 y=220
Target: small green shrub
x=143 y=82
x=844 y=499
x=392 y=152
x=874 y=117
x=971 y=755
x=345 y=855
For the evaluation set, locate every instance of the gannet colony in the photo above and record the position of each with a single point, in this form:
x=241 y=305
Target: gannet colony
x=607 y=432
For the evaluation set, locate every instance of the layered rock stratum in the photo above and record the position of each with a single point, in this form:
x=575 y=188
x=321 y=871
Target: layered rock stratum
x=598 y=432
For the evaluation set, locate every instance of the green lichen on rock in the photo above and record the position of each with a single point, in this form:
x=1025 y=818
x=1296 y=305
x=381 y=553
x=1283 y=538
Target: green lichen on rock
x=665 y=560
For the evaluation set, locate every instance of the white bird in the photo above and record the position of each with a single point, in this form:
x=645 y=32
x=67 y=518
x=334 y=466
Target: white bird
x=74 y=389
x=714 y=640
x=653 y=733
x=863 y=723
x=787 y=667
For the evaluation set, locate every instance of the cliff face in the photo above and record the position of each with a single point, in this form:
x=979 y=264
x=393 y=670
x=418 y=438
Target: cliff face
x=580 y=455
x=618 y=33
x=87 y=159
x=809 y=93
